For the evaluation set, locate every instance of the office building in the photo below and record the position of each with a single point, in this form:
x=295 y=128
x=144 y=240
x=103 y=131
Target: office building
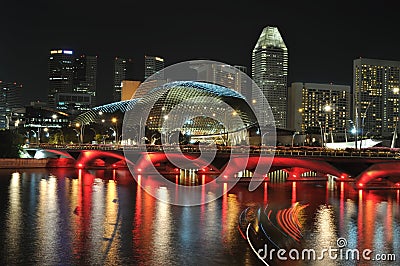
x=10 y=99
x=122 y=71
x=376 y=96
x=153 y=64
x=315 y=108
x=86 y=76
x=270 y=71
x=61 y=74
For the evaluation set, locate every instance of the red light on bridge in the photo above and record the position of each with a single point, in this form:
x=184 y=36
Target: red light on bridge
x=114 y=166
x=294 y=175
x=176 y=169
x=360 y=184
x=342 y=176
x=139 y=170
x=203 y=169
x=225 y=176
x=80 y=165
x=398 y=184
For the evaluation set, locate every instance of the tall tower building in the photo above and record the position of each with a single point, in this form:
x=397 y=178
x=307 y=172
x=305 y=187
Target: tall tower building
x=270 y=71
x=86 y=76
x=122 y=71
x=152 y=64
x=10 y=98
x=61 y=74
x=315 y=108
x=376 y=96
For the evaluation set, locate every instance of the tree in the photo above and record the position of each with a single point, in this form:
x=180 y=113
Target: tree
x=10 y=144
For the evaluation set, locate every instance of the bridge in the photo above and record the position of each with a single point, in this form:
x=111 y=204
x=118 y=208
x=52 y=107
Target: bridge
x=367 y=168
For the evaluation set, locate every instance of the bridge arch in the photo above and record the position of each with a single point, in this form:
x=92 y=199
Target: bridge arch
x=87 y=156
x=150 y=159
x=378 y=170
x=302 y=165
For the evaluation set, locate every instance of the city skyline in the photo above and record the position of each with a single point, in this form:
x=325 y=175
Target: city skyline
x=323 y=41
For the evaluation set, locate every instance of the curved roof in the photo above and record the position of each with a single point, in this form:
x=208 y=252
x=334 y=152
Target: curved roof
x=170 y=94
x=207 y=87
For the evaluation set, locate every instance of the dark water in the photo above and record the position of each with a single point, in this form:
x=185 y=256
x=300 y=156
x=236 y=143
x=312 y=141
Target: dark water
x=74 y=217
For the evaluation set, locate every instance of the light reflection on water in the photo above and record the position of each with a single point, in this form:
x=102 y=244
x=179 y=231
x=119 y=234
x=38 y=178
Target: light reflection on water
x=101 y=217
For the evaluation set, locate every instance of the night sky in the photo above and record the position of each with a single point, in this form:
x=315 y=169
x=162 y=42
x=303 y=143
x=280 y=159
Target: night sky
x=323 y=37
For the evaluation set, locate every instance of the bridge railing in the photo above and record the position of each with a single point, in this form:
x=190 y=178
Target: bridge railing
x=267 y=150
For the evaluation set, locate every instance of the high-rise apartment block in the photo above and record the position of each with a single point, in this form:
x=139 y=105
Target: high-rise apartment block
x=270 y=71
x=314 y=107
x=376 y=96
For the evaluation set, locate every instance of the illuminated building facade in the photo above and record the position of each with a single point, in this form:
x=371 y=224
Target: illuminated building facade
x=122 y=71
x=152 y=64
x=86 y=76
x=10 y=99
x=376 y=96
x=60 y=73
x=313 y=107
x=270 y=71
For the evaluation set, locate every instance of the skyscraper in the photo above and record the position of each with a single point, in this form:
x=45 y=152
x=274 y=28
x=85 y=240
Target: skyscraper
x=152 y=64
x=122 y=71
x=270 y=71
x=10 y=98
x=86 y=76
x=317 y=108
x=61 y=74
x=376 y=96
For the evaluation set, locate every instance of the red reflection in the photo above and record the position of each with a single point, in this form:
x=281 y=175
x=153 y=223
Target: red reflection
x=294 y=197
x=265 y=193
x=224 y=209
x=360 y=220
x=82 y=210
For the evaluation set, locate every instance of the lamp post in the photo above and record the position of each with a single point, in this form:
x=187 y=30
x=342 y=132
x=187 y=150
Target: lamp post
x=82 y=131
x=77 y=134
x=363 y=120
x=396 y=90
x=114 y=121
x=327 y=109
x=294 y=134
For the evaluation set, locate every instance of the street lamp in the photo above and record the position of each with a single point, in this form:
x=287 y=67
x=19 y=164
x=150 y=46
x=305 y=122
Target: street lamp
x=77 y=134
x=294 y=134
x=363 y=119
x=396 y=90
x=327 y=109
x=82 y=129
x=114 y=121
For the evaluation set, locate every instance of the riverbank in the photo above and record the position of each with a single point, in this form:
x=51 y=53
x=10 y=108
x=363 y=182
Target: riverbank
x=16 y=163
